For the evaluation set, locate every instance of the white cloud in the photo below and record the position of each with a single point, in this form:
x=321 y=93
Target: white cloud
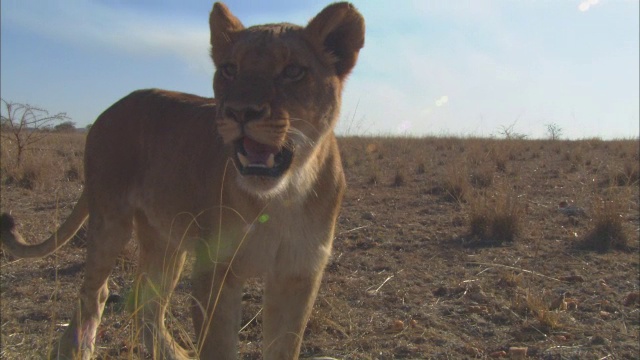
x=442 y=101
x=587 y=5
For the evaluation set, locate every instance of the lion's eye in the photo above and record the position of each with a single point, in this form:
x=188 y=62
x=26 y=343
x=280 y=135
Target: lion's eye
x=229 y=71
x=293 y=72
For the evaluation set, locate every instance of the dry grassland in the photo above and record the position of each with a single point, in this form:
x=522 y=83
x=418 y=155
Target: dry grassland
x=446 y=248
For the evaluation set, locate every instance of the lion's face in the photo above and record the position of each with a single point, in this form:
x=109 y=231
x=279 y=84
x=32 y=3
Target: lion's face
x=278 y=89
x=275 y=100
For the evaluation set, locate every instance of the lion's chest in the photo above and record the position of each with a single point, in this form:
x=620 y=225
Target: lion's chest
x=279 y=238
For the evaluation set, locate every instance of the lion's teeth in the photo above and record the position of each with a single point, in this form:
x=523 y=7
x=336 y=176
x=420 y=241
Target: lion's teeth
x=271 y=161
x=243 y=160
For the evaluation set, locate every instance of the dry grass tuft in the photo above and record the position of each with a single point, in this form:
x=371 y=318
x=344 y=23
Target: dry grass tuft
x=37 y=171
x=501 y=163
x=373 y=178
x=398 y=179
x=482 y=177
x=629 y=175
x=510 y=279
x=495 y=220
x=607 y=232
x=456 y=185
x=534 y=306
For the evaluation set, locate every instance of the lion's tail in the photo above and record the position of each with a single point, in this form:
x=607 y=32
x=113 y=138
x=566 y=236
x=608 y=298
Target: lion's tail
x=13 y=242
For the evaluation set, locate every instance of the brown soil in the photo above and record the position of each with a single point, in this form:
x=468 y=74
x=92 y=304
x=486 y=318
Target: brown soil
x=411 y=276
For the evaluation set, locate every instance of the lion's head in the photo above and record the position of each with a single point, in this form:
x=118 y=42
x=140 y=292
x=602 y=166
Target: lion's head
x=278 y=89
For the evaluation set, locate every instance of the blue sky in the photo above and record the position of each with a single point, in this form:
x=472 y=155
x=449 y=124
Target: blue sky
x=429 y=67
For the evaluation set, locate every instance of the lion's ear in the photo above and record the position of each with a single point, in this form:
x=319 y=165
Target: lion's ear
x=339 y=29
x=223 y=25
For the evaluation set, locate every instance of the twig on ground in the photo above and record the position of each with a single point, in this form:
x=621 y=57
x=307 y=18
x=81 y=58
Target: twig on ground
x=250 y=321
x=354 y=229
x=516 y=268
x=381 y=285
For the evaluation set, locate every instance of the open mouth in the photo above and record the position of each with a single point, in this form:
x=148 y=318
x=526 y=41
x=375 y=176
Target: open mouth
x=258 y=159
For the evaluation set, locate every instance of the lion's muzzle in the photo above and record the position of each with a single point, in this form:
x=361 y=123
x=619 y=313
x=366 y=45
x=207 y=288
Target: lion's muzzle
x=254 y=158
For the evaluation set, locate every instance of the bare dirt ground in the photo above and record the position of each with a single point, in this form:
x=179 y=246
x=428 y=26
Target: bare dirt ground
x=415 y=272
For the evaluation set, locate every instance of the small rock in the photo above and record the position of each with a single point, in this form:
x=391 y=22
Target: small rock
x=517 y=352
x=498 y=354
x=631 y=299
x=441 y=292
x=368 y=215
x=472 y=351
x=397 y=326
x=598 y=340
x=570 y=209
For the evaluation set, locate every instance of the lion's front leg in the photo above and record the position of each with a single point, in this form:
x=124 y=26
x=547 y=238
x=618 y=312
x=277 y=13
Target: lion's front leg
x=159 y=268
x=217 y=310
x=288 y=301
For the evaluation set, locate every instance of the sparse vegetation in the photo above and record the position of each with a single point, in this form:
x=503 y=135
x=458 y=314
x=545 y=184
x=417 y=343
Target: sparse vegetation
x=402 y=282
x=24 y=125
x=58 y=157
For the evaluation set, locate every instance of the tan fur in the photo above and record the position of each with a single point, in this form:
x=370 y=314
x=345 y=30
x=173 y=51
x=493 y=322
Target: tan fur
x=165 y=163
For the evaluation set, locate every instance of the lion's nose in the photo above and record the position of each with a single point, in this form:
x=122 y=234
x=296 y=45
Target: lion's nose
x=245 y=114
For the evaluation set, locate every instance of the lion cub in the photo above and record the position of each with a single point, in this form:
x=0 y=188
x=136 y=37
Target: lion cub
x=249 y=182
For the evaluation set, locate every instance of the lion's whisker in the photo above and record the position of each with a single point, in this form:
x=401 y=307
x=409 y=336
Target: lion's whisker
x=300 y=138
x=306 y=122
